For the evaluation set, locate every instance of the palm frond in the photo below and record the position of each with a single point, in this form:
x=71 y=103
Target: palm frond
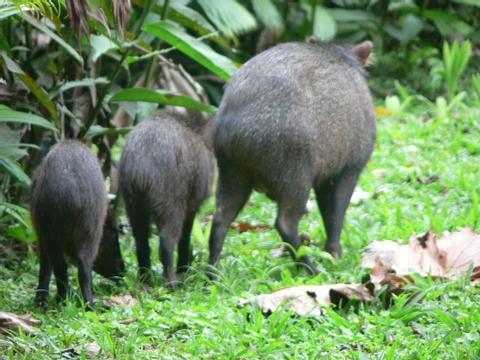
x=268 y=14
x=228 y=16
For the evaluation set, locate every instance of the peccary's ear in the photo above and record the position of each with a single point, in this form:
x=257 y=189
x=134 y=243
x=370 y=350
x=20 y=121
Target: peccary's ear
x=363 y=52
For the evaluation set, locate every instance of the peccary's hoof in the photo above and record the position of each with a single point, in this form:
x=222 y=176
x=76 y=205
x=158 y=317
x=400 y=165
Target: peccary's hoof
x=146 y=277
x=307 y=263
x=182 y=269
x=172 y=285
x=41 y=298
x=334 y=250
x=212 y=273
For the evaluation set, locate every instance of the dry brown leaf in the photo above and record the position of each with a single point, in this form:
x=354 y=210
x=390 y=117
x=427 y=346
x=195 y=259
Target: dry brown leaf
x=244 y=226
x=128 y=321
x=309 y=299
x=358 y=196
x=450 y=256
x=417 y=329
x=78 y=11
x=92 y=349
x=122 y=10
x=121 y=300
x=380 y=276
x=14 y=322
x=277 y=252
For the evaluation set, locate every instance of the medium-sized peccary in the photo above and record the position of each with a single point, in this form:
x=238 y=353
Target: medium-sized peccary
x=295 y=117
x=165 y=172
x=68 y=207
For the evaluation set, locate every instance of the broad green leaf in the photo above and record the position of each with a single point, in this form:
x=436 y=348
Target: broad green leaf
x=101 y=45
x=324 y=26
x=197 y=50
x=179 y=13
x=342 y=15
x=12 y=116
x=468 y=2
x=40 y=94
x=229 y=16
x=411 y=26
x=43 y=28
x=447 y=24
x=11 y=64
x=194 y=21
x=268 y=14
x=79 y=83
x=160 y=97
x=15 y=170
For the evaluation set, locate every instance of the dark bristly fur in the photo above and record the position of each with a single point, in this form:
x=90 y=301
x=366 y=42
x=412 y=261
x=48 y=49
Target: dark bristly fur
x=68 y=207
x=166 y=172
x=295 y=117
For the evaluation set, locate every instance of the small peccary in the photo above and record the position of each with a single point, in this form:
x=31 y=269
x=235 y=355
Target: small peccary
x=68 y=208
x=165 y=173
x=295 y=117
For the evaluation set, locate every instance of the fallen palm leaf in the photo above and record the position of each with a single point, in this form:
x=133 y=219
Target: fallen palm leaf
x=451 y=256
x=10 y=322
x=309 y=299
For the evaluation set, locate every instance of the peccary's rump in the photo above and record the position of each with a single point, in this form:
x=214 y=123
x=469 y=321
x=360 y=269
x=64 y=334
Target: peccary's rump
x=69 y=200
x=295 y=117
x=296 y=111
x=68 y=207
x=165 y=174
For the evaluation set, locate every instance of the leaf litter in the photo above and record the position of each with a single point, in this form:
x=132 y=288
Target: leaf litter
x=450 y=256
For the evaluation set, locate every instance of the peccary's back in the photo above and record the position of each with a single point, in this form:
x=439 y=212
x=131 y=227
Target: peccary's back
x=165 y=164
x=295 y=107
x=69 y=199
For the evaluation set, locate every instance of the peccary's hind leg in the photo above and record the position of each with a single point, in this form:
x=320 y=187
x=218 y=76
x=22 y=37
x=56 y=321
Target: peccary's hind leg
x=291 y=207
x=169 y=237
x=233 y=192
x=60 y=270
x=139 y=218
x=44 y=276
x=333 y=198
x=85 y=280
x=184 y=245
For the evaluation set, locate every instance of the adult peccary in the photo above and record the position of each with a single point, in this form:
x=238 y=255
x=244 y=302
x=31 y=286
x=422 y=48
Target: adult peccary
x=296 y=116
x=68 y=208
x=165 y=174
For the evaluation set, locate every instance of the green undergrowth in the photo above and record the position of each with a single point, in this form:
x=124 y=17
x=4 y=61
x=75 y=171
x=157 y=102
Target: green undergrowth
x=423 y=175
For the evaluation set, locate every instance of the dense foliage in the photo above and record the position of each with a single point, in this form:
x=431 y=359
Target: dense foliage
x=92 y=69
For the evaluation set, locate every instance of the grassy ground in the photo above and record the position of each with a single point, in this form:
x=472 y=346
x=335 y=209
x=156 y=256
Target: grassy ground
x=424 y=174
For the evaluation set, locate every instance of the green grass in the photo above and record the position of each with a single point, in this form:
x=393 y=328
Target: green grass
x=424 y=174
